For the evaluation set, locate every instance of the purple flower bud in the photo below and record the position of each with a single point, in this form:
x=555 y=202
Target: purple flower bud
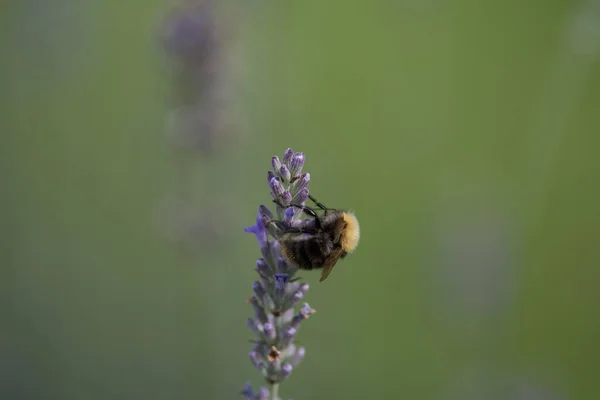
x=269 y=331
x=265 y=220
x=304 y=313
x=304 y=288
x=292 y=287
x=286 y=197
x=288 y=352
x=287 y=336
x=297 y=297
x=299 y=294
x=298 y=318
x=298 y=356
x=268 y=303
x=270 y=175
x=287 y=156
x=296 y=164
x=247 y=392
x=256 y=360
x=276 y=188
x=259 y=311
x=256 y=327
x=301 y=183
x=259 y=292
x=263 y=268
x=270 y=252
x=286 y=317
x=306 y=309
x=288 y=215
x=281 y=266
x=275 y=250
x=286 y=371
x=285 y=174
x=280 y=283
x=263 y=394
x=286 y=268
x=300 y=197
x=276 y=164
x=264 y=210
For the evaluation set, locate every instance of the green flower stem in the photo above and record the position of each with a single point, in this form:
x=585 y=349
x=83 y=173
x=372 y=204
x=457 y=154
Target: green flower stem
x=275 y=391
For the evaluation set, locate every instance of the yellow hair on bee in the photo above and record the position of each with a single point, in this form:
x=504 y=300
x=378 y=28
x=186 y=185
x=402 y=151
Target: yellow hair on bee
x=351 y=233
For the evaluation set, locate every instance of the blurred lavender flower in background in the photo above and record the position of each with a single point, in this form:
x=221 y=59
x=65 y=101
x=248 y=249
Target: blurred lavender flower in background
x=193 y=39
x=199 y=119
x=276 y=293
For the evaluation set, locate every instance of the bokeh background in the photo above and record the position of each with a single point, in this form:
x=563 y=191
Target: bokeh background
x=135 y=144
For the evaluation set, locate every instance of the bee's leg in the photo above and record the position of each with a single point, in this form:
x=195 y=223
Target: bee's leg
x=283 y=228
x=307 y=210
x=320 y=205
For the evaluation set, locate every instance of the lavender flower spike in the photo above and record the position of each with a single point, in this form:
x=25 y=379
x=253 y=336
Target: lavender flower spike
x=276 y=294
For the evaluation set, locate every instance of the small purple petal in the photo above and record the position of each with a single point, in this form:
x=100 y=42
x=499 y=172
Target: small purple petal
x=270 y=175
x=259 y=230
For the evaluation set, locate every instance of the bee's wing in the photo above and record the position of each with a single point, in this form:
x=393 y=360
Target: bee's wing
x=326 y=271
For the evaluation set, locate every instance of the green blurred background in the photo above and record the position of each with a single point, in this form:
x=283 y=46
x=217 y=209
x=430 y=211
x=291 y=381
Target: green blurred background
x=464 y=134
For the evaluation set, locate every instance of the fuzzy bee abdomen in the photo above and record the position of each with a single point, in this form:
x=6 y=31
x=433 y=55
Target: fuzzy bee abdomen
x=306 y=254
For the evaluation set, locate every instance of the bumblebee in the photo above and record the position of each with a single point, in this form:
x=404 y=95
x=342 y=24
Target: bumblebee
x=322 y=242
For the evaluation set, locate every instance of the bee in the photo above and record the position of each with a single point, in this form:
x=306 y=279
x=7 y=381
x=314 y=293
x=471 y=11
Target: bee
x=320 y=243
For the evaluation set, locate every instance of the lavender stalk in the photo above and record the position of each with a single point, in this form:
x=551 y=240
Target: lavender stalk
x=276 y=294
